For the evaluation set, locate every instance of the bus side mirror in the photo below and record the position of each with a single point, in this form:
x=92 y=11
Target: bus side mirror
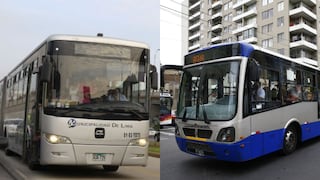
x=154 y=77
x=253 y=70
x=154 y=80
x=45 y=71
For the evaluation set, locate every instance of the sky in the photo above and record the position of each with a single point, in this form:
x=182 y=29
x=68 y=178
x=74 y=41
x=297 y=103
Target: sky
x=171 y=40
x=25 y=24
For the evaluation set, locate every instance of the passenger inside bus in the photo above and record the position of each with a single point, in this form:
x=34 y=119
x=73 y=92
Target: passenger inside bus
x=295 y=94
x=86 y=95
x=258 y=93
x=116 y=95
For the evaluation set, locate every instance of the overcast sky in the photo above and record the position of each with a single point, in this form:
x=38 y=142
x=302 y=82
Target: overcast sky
x=25 y=24
x=171 y=32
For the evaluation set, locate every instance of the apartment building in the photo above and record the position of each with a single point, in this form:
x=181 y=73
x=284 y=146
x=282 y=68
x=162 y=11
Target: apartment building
x=289 y=27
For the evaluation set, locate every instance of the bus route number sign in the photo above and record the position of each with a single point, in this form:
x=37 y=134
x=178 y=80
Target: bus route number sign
x=198 y=58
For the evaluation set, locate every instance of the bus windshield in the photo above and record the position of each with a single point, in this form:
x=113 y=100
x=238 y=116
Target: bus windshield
x=209 y=92
x=97 y=82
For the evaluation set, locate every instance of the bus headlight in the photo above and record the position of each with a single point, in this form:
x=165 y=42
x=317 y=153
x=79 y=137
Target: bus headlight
x=226 y=135
x=56 y=139
x=138 y=142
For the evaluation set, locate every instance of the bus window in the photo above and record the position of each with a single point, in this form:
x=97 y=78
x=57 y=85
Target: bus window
x=265 y=92
x=308 y=86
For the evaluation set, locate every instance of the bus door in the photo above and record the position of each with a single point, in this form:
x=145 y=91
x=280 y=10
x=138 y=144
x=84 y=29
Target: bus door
x=32 y=125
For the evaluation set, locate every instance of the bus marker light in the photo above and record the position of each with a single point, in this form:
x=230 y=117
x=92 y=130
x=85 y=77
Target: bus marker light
x=257 y=132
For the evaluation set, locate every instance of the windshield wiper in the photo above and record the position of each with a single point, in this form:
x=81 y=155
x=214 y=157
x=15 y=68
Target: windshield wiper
x=205 y=117
x=184 y=115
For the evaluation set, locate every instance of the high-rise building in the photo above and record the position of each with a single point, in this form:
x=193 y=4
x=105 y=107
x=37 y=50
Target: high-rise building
x=289 y=27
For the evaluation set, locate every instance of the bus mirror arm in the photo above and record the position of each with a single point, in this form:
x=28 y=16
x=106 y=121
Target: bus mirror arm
x=45 y=71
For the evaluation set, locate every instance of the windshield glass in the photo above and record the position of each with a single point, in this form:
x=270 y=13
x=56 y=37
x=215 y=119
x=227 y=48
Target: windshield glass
x=86 y=82
x=209 y=92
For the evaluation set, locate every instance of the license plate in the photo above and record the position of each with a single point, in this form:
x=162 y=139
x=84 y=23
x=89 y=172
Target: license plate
x=98 y=157
x=199 y=149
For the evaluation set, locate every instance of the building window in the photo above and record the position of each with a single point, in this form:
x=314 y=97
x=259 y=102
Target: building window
x=281 y=6
x=267 y=28
x=227 y=5
x=267 y=14
x=267 y=43
x=280 y=37
x=266 y=2
x=280 y=21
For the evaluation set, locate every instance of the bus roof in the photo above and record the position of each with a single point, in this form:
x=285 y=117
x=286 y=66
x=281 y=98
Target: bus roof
x=246 y=49
x=97 y=39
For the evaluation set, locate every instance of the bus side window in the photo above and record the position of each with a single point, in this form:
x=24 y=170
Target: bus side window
x=308 y=86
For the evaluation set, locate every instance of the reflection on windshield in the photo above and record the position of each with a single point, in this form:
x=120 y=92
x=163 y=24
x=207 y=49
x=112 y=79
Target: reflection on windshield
x=98 y=87
x=209 y=92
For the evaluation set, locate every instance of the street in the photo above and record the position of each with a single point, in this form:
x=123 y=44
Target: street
x=21 y=171
x=175 y=164
x=4 y=175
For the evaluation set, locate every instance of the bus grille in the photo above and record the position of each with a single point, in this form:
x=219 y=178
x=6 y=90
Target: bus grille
x=201 y=133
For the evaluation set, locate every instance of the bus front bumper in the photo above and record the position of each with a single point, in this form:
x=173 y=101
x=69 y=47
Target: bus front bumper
x=77 y=154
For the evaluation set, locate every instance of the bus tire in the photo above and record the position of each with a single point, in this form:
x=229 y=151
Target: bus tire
x=109 y=168
x=290 y=140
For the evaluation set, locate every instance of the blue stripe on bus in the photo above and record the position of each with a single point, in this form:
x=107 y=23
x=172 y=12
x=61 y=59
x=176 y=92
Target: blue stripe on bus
x=253 y=146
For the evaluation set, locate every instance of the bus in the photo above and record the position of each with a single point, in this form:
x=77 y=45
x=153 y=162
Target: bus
x=170 y=76
x=166 y=116
x=79 y=100
x=236 y=103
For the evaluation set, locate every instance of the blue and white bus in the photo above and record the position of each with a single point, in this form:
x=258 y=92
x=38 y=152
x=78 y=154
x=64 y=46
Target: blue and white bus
x=61 y=104
x=238 y=102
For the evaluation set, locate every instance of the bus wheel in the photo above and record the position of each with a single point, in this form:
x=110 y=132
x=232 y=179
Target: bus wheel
x=290 y=140
x=109 y=168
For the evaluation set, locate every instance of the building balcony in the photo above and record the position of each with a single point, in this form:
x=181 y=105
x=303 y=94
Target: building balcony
x=247 y=14
x=307 y=60
x=195 y=5
x=304 y=12
x=217 y=5
x=309 y=2
x=194 y=46
x=243 y=28
x=194 y=36
x=239 y=3
x=303 y=44
x=252 y=40
x=302 y=28
x=194 y=16
x=216 y=39
x=216 y=27
x=195 y=25
x=216 y=15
